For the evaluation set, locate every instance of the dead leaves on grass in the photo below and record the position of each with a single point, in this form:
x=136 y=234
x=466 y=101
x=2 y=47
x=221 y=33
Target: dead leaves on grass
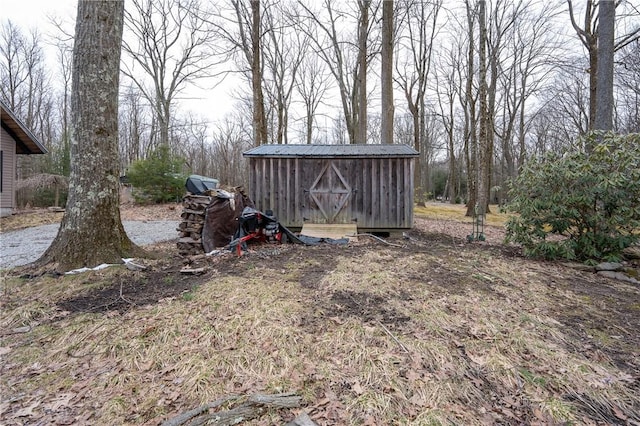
x=471 y=337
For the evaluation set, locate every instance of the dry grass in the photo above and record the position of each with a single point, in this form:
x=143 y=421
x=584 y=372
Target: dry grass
x=28 y=219
x=436 y=332
x=456 y=212
x=34 y=217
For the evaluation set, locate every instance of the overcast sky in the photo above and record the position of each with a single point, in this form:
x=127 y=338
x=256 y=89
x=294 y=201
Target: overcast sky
x=34 y=13
x=37 y=14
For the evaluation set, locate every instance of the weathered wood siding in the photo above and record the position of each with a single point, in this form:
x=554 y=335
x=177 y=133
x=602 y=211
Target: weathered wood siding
x=375 y=193
x=8 y=157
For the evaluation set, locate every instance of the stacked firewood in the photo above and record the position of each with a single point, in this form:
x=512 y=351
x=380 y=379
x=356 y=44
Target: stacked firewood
x=190 y=229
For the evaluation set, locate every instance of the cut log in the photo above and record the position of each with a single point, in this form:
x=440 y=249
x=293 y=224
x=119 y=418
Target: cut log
x=253 y=407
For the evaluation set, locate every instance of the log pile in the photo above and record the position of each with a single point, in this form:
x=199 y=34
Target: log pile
x=190 y=229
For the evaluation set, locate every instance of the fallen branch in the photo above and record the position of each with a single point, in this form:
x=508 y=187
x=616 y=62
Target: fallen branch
x=253 y=407
x=403 y=347
x=192 y=271
x=188 y=415
x=122 y=294
x=375 y=237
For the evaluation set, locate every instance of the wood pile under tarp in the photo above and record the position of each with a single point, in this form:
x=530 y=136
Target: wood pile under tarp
x=210 y=220
x=190 y=229
x=221 y=220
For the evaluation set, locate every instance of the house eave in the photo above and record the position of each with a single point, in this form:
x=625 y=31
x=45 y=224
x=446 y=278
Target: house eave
x=26 y=142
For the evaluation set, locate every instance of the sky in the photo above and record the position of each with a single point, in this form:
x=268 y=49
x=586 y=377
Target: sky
x=34 y=13
x=211 y=105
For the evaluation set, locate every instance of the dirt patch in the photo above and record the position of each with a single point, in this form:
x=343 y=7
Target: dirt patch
x=365 y=306
x=604 y=319
x=128 y=291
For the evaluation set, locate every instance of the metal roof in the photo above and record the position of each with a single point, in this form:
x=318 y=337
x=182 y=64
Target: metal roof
x=26 y=142
x=331 y=151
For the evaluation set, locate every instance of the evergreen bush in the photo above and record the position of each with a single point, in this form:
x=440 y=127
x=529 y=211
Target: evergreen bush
x=158 y=178
x=579 y=206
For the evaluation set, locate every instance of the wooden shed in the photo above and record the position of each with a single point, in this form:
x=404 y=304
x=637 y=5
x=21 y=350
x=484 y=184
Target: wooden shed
x=367 y=185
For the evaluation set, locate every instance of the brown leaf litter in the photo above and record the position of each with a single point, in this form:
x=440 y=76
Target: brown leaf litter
x=436 y=331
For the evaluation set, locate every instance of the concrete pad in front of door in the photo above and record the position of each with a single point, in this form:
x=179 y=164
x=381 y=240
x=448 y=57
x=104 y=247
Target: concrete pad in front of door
x=334 y=231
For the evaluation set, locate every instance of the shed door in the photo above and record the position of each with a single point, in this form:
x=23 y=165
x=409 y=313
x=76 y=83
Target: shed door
x=330 y=194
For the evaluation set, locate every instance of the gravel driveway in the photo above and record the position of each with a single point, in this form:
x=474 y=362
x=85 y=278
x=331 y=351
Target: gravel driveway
x=26 y=245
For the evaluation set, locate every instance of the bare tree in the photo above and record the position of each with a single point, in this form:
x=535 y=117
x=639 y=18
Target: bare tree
x=91 y=231
x=229 y=141
x=413 y=66
x=260 y=125
x=284 y=51
x=360 y=110
x=604 y=73
x=468 y=101
x=448 y=88
x=588 y=35
x=65 y=57
x=386 y=72
x=566 y=105
x=347 y=61
x=628 y=83
x=168 y=46
x=248 y=42
x=136 y=138
x=485 y=132
x=26 y=87
x=312 y=85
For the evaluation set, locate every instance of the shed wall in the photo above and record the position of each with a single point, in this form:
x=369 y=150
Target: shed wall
x=375 y=193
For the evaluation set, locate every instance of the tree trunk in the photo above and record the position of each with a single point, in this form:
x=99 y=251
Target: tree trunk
x=593 y=82
x=91 y=231
x=259 y=119
x=417 y=171
x=485 y=133
x=386 y=126
x=471 y=140
x=451 y=193
x=604 y=80
x=361 y=101
x=589 y=38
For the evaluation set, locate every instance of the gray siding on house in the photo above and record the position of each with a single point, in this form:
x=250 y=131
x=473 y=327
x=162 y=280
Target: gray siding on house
x=15 y=139
x=370 y=185
x=7 y=196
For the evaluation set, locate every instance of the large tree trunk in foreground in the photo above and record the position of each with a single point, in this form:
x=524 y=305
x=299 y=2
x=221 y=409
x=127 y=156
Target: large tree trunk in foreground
x=91 y=231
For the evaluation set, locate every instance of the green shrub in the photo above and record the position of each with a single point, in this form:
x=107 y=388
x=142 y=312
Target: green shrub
x=589 y=203
x=157 y=178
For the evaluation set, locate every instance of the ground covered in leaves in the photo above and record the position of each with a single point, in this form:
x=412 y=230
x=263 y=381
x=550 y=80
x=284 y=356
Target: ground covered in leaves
x=429 y=330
